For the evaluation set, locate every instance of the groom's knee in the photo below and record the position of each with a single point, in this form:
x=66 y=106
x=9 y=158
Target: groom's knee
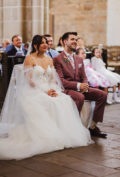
x=80 y=101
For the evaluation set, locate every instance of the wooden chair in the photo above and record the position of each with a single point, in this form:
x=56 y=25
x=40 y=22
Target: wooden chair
x=7 y=67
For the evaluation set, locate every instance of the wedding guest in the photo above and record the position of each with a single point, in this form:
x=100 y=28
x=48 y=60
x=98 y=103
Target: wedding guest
x=26 y=46
x=95 y=79
x=5 y=43
x=59 y=47
x=71 y=71
x=81 y=44
x=17 y=49
x=50 y=51
x=99 y=66
x=32 y=121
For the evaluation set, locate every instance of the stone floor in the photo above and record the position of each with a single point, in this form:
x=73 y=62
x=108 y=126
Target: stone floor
x=101 y=159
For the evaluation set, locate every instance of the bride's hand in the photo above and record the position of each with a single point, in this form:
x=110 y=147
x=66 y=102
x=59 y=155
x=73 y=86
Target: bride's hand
x=32 y=84
x=52 y=93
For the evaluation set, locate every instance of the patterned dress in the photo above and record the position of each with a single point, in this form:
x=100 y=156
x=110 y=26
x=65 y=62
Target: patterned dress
x=95 y=79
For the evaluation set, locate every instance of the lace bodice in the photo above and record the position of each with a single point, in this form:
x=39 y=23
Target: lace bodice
x=41 y=73
x=44 y=79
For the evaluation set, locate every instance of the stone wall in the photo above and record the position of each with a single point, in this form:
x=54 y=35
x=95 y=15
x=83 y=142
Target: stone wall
x=24 y=17
x=95 y=20
x=113 y=24
x=87 y=17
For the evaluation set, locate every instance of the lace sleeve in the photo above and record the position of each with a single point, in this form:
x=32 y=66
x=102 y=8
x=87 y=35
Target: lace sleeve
x=55 y=78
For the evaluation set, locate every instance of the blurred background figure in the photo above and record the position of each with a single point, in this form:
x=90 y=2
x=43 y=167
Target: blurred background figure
x=103 y=53
x=95 y=79
x=99 y=65
x=59 y=47
x=26 y=46
x=16 y=48
x=50 y=52
x=81 y=44
x=5 y=43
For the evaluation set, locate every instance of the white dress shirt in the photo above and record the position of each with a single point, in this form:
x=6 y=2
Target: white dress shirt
x=71 y=59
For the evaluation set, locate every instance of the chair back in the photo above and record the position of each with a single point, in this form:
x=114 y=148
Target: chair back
x=7 y=68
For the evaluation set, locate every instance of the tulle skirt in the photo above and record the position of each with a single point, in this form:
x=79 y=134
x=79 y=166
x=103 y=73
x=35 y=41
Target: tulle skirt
x=112 y=77
x=44 y=124
x=95 y=78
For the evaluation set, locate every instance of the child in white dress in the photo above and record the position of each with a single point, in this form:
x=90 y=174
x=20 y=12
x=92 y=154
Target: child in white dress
x=95 y=79
x=99 y=66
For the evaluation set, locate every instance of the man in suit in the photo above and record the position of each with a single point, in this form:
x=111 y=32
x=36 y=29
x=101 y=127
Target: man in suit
x=70 y=68
x=50 y=52
x=16 y=48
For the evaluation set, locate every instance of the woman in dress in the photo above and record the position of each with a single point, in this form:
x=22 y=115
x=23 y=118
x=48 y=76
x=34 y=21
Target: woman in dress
x=37 y=117
x=99 y=66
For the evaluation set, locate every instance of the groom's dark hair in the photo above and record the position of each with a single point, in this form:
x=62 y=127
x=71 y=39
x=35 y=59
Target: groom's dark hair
x=66 y=35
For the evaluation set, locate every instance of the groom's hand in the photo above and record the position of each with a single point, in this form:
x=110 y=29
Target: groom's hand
x=84 y=87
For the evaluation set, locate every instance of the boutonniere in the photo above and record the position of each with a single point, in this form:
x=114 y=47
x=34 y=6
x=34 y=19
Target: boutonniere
x=65 y=59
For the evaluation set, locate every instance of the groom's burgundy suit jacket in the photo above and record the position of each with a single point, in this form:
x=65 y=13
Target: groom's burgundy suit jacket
x=71 y=77
x=67 y=74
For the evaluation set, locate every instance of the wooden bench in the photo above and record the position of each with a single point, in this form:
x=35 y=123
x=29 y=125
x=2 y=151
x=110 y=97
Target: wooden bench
x=7 y=67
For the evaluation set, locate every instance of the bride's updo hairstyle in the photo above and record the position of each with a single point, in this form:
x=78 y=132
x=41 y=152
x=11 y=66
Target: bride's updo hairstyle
x=37 y=40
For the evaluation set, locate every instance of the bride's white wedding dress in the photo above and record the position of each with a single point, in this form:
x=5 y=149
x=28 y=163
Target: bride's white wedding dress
x=35 y=123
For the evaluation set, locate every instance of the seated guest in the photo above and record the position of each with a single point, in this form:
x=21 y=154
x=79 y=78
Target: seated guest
x=81 y=44
x=99 y=66
x=17 y=49
x=95 y=79
x=59 y=47
x=5 y=43
x=26 y=46
x=50 y=52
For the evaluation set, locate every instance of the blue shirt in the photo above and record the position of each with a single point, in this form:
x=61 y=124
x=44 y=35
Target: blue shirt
x=9 y=47
x=52 y=53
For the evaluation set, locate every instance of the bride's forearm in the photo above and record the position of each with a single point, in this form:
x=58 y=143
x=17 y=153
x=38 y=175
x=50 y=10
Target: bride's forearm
x=31 y=83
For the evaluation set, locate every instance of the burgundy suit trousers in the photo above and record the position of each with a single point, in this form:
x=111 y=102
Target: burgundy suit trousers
x=93 y=95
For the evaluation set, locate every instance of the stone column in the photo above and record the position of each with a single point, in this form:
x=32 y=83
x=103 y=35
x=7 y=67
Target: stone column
x=46 y=16
x=1 y=20
x=113 y=24
x=12 y=18
x=37 y=17
x=27 y=20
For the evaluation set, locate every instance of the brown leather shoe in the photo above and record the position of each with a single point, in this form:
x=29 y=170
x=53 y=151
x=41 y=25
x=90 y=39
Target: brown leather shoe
x=96 y=132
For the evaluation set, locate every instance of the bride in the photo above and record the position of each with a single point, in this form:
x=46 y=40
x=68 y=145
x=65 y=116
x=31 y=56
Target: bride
x=37 y=117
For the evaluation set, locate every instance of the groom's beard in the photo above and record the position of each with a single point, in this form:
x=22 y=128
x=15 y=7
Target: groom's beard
x=72 y=49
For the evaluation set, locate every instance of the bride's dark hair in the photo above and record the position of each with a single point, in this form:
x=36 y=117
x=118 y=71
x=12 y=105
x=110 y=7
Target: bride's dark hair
x=37 y=40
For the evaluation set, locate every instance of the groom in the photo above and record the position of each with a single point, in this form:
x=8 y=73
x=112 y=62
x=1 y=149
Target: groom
x=72 y=74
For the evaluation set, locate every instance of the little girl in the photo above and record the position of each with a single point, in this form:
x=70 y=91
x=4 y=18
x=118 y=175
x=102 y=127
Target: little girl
x=95 y=79
x=99 y=66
